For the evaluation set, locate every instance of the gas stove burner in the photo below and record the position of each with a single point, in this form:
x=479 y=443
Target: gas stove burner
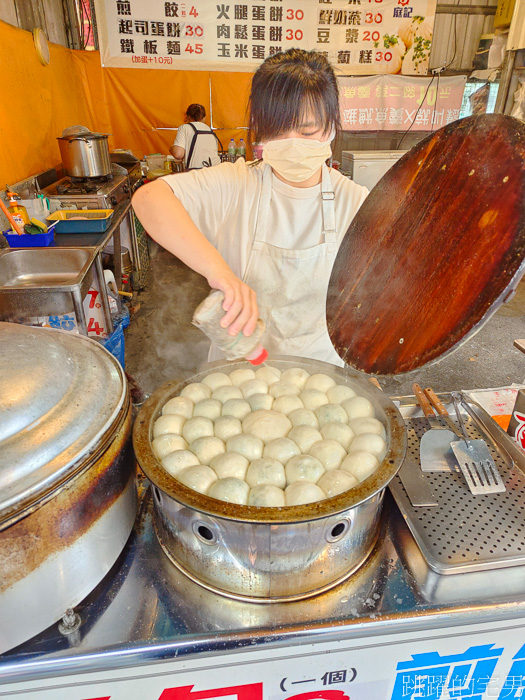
x=81 y=185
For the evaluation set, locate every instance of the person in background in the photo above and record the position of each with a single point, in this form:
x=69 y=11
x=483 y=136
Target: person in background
x=195 y=143
x=267 y=233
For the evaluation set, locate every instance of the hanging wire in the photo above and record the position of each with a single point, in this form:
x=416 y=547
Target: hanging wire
x=436 y=72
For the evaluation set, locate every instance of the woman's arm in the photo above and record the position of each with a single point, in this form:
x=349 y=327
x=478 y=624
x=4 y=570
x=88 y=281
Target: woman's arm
x=167 y=221
x=177 y=152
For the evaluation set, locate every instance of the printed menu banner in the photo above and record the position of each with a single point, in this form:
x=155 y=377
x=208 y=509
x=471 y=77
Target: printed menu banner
x=393 y=102
x=360 y=37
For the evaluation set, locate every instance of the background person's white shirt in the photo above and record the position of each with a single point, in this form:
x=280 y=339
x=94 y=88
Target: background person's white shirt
x=223 y=203
x=205 y=152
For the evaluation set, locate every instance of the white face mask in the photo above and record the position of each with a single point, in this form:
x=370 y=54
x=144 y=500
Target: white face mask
x=295 y=159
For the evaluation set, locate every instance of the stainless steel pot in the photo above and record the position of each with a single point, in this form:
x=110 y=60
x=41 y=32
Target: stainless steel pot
x=85 y=155
x=67 y=487
x=269 y=554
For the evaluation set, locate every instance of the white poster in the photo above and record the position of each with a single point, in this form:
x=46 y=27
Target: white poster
x=360 y=37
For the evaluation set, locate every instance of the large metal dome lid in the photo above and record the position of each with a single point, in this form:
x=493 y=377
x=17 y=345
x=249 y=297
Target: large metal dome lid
x=59 y=395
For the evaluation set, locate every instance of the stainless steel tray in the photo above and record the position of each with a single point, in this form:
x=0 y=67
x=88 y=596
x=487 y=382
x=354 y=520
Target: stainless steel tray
x=466 y=533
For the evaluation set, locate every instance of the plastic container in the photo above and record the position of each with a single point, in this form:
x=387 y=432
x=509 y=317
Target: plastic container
x=232 y=148
x=27 y=240
x=207 y=317
x=17 y=211
x=241 y=149
x=95 y=221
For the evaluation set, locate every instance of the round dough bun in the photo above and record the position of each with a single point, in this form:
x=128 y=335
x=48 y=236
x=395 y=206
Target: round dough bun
x=340 y=393
x=196 y=392
x=329 y=452
x=331 y=413
x=249 y=446
x=225 y=393
x=267 y=496
x=337 y=481
x=368 y=425
x=281 y=388
x=358 y=407
x=281 y=449
x=313 y=398
x=176 y=461
x=260 y=401
x=199 y=478
x=267 y=425
x=266 y=471
x=304 y=416
x=268 y=374
x=239 y=376
x=164 y=444
x=179 y=406
x=230 y=464
x=369 y=442
x=340 y=432
x=321 y=382
x=295 y=375
x=303 y=492
x=169 y=424
x=238 y=408
x=360 y=464
x=207 y=448
x=287 y=404
x=253 y=386
x=208 y=408
x=304 y=468
x=226 y=427
x=197 y=427
x=304 y=437
x=231 y=490
x=217 y=379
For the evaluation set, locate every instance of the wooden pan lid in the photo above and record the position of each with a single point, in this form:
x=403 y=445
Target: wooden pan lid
x=436 y=247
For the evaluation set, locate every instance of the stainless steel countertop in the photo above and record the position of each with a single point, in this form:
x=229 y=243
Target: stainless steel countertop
x=145 y=610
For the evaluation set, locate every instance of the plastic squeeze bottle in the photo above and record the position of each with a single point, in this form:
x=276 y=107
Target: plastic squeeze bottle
x=207 y=317
x=18 y=211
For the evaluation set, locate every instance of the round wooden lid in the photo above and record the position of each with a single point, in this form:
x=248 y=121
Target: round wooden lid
x=437 y=246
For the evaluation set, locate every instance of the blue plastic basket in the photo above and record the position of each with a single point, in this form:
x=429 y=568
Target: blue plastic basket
x=28 y=240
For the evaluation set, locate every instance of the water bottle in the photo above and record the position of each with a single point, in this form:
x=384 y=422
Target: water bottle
x=241 y=150
x=207 y=317
x=232 y=151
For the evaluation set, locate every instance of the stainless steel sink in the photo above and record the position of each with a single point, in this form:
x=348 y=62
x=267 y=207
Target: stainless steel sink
x=44 y=267
x=37 y=283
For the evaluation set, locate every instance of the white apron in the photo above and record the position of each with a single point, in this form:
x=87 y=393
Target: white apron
x=291 y=285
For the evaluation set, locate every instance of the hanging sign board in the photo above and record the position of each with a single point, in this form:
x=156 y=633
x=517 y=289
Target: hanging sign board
x=363 y=37
x=394 y=102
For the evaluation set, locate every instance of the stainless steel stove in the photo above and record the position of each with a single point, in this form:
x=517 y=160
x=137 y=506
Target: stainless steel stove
x=89 y=193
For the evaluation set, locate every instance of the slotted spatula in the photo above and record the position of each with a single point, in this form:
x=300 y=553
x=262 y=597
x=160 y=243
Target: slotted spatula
x=473 y=456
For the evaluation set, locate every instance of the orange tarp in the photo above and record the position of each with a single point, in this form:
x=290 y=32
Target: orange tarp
x=130 y=104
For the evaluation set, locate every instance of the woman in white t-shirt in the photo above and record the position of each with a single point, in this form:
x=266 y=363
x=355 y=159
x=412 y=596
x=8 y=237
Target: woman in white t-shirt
x=195 y=142
x=267 y=233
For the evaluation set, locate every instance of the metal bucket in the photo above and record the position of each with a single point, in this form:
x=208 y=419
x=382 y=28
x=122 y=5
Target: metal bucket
x=269 y=554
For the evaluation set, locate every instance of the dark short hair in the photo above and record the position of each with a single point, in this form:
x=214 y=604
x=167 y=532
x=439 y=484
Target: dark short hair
x=196 y=112
x=286 y=87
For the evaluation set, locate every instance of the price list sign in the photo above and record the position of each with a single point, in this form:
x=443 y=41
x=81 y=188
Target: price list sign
x=360 y=37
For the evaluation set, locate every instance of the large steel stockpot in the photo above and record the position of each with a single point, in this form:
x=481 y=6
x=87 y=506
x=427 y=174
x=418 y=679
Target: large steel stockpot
x=85 y=153
x=67 y=486
x=269 y=554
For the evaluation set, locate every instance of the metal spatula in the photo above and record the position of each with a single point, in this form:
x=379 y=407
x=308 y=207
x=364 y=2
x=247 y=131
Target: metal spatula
x=473 y=456
x=475 y=460
x=434 y=446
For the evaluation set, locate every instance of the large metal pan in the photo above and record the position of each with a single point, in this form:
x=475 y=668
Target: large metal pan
x=269 y=554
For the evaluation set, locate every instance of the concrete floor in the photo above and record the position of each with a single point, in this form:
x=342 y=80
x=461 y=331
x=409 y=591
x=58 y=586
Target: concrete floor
x=162 y=345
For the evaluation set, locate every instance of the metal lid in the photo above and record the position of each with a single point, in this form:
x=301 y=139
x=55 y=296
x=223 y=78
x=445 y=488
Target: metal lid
x=59 y=395
x=79 y=131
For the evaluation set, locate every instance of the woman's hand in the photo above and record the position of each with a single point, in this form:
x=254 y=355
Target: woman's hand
x=240 y=302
